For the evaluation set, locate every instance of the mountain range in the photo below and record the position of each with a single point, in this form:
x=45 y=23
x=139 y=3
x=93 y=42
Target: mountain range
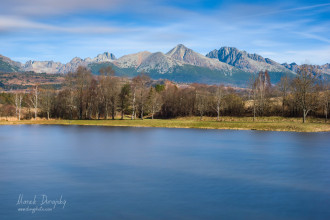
x=226 y=65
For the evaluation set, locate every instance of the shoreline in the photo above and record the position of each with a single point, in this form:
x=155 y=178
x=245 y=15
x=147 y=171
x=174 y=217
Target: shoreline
x=228 y=123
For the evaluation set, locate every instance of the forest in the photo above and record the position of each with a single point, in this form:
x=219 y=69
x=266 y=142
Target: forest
x=107 y=96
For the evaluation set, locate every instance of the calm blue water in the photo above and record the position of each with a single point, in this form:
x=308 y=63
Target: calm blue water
x=158 y=173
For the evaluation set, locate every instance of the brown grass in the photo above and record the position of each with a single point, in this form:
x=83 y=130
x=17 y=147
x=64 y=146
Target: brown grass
x=235 y=123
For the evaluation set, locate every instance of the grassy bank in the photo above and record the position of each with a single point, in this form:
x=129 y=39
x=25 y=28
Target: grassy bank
x=265 y=123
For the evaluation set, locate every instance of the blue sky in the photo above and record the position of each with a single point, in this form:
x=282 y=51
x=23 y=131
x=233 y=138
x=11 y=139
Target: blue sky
x=285 y=31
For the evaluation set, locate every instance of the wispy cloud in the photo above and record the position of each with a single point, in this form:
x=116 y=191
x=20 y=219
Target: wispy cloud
x=285 y=10
x=50 y=7
x=313 y=36
x=9 y=23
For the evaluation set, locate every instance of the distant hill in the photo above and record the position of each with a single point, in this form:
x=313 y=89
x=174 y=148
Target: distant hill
x=227 y=65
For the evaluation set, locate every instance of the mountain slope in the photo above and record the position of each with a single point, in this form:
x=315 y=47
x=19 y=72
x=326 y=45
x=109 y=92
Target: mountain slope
x=132 y=60
x=162 y=63
x=188 y=56
x=148 y=62
x=292 y=66
x=321 y=69
x=42 y=66
x=182 y=73
x=7 y=65
x=252 y=63
x=325 y=68
x=57 y=67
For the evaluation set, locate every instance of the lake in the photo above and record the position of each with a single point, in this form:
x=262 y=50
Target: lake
x=81 y=172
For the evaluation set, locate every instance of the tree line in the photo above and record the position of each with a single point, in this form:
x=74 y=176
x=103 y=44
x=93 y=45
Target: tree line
x=86 y=96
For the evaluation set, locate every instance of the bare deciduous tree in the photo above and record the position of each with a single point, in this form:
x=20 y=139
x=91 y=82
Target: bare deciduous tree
x=325 y=96
x=141 y=81
x=69 y=94
x=124 y=98
x=133 y=102
x=305 y=89
x=263 y=87
x=114 y=91
x=154 y=101
x=283 y=87
x=202 y=100
x=326 y=102
x=218 y=94
x=18 y=105
x=34 y=98
x=46 y=99
x=253 y=94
